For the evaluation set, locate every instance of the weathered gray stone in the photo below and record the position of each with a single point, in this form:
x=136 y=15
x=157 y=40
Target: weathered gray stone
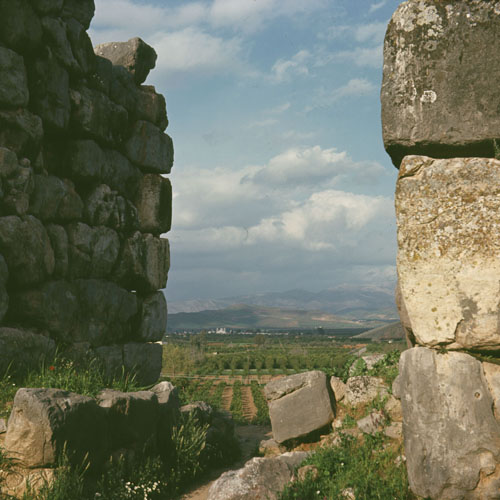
x=259 y=478
x=364 y=390
x=120 y=175
x=14 y=87
x=111 y=360
x=55 y=199
x=23 y=350
x=49 y=90
x=59 y=241
x=449 y=249
x=3 y=426
x=144 y=360
x=154 y=204
x=393 y=409
x=92 y=250
x=403 y=316
x=94 y=114
x=135 y=55
x=46 y=422
x=47 y=6
x=440 y=74
x=8 y=163
x=451 y=437
x=20 y=28
x=123 y=89
x=104 y=207
x=143 y=264
x=133 y=418
x=94 y=311
x=153 y=318
x=18 y=184
x=25 y=245
x=394 y=431
x=85 y=161
x=21 y=132
x=4 y=296
x=55 y=31
x=81 y=10
x=299 y=404
x=152 y=107
x=81 y=47
x=338 y=388
x=202 y=411
x=372 y=423
x=101 y=79
x=150 y=149
x=492 y=376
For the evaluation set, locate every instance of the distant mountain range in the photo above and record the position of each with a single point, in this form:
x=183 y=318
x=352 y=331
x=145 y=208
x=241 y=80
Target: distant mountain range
x=241 y=316
x=392 y=331
x=350 y=301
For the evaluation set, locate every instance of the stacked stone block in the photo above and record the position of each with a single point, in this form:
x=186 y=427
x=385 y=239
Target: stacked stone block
x=83 y=197
x=440 y=98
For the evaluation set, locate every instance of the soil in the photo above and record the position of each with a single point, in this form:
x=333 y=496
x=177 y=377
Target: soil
x=249 y=408
x=227 y=397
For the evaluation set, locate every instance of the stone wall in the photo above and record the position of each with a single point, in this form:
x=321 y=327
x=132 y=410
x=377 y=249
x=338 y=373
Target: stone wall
x=82 y=198
x=440 y=98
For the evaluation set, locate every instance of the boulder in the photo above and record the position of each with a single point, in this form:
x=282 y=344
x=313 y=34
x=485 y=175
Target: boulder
x=55 y=199
x=364 y=389
x=154 y=204
x=18 y=184
x=144 y=263
x=110 y=358
x=144 y=360
x=20 y=28
x=101 y=79
x=44 y=423
x=104 y=207
x=338 y=388
x=95 y=115
x=85 y=161
x=94 y=311
x=59 y=241
x=123 y=90
x=21 y=132
x=152 y=107
x=449 y=250
x=47 y=6
x=14 y=82
x=440 y=79
x=22 y=350
x=372 y=423
x=492 y=375
x=259 y=478
x=120 y=175
x=153 y=318
x=81 y=47
x=92 y=251
x=299 y=404
x=55 y=32
x=135 y=55
x=451 y=437
x=201 y=411
x=133 y=418
x=81 y=10
x=150 y=149
x=25 y=245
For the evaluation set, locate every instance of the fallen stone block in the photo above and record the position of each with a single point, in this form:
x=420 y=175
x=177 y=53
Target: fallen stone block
x=364 y=389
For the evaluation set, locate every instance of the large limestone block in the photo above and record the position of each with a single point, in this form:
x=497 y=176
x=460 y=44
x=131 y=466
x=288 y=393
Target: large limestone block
x=150 y=149
x=364 y=389
x=152 y=107
x=145 y=360
x=46 y=422
x=81 y=10
x=133 y=418
x=451 y=437
x=94 y=311
x=123 y=89
x=26 y=247
x=154 y=204
x=144 y=263
x=153 y=318
x=260 y=478
x=299 y=404
x=120 y=175
x=85 y=161
x=449 y=250
x=22 y=132
x=22 y=350
x=13 y=80
x=135 y=55
x=56 y=33
x=81 y=47
x=441 y=69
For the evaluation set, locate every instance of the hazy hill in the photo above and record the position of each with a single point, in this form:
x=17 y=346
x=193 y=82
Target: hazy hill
x=245 y=316
x=350 y=301
x=392 y=331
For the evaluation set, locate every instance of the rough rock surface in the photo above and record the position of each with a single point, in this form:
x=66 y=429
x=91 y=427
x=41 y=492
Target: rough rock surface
x=338 y=388
x=452 y=439
x=449 y=250
x=43 y=422
x=440 y=79
x=364 y=389
x=260 y=478
x=299 y=404
x=153 y=318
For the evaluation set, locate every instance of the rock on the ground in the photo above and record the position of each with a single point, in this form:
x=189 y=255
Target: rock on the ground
x=45 y=422
x=299 y=404
x=449 y=250
x=364 y=389
x=338 y=388
x=260 y=478
x=451 y=437
x=372 y=423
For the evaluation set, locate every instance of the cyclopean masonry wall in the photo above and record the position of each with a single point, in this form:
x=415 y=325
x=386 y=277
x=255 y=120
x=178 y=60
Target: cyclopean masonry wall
x=83 y=201
x=440 y=98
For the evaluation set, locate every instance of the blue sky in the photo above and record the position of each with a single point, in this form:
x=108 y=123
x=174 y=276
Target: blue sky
x=280 y=177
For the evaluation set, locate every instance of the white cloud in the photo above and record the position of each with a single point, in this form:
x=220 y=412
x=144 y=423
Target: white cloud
x=363 y=56
x=281 y=108
x=373 y=32
x=268 y=122
x=376 y=6
x=284 y=69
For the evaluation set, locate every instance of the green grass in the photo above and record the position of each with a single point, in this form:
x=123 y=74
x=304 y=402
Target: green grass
x=369 y=466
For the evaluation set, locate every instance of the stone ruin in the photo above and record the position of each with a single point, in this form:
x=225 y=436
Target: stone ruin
x=441 y=98
x=83 y=201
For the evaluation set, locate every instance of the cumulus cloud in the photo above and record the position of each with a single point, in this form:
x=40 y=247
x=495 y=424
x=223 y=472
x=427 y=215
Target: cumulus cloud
x=377 y=6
